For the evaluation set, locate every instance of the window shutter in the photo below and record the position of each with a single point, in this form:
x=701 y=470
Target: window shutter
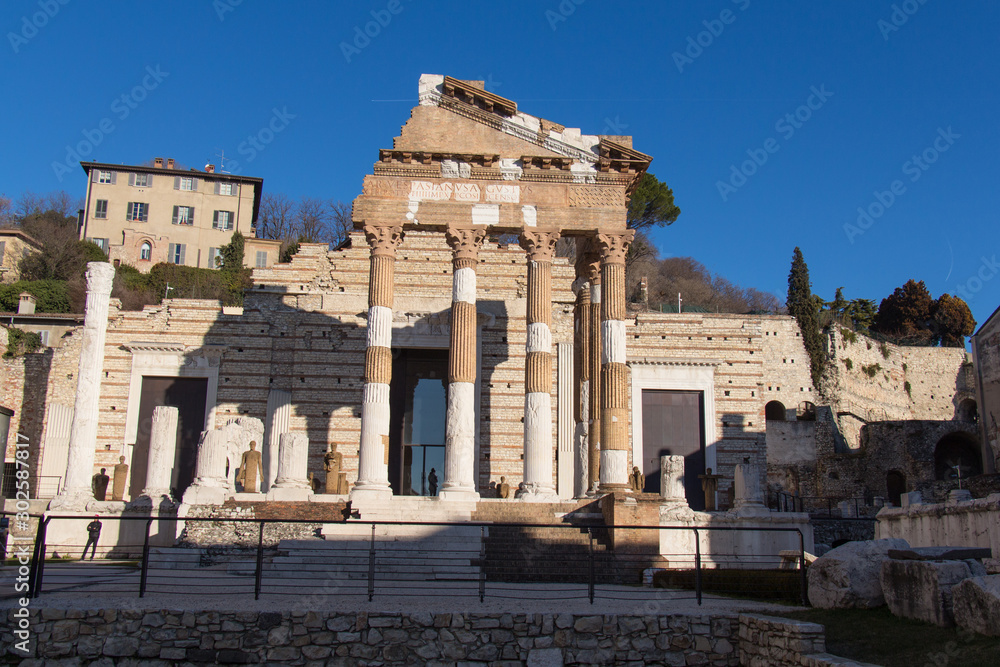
x=95 y=176
x=170 y=252
x=128 y=214
x=217 y=189
x=232 y=219
x=114 y=177
x=182 y=246
x=176 y=215
x=145 y=212
x=211 y=258
x=131 y=179
x=177 y=182
x=194 y=185
x=191 y=215
x=215 y=220
x=149 y=180
x=233 y=189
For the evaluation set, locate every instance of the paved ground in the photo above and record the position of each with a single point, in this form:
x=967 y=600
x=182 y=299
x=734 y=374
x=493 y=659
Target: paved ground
x=111 y=586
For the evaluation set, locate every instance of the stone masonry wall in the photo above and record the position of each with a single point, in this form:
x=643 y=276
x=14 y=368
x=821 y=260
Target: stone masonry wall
x=347 y=639
x=766 y=641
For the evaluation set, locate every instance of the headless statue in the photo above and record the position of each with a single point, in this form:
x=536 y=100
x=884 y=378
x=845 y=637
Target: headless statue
x=100 y=485
x=251 y=469
x=333 y=460
x=503 y=488
x=636 y=480
x=121 y=474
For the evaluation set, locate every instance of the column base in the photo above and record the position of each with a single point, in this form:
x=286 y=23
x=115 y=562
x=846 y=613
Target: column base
x=366 y=493
x=459 y=494
x=151 y=499
x=290 y=493
x=206 y=495
x=75 y=501
x=609 y=487
x=536 y=494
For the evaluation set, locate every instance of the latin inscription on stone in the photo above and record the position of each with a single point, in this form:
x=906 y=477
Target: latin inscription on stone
x=503 y=194
x=466 y=192
x=428 y=191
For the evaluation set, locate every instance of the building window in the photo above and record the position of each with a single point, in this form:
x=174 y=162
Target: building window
x=223 y=220
x=185 y=183
x=145 y=251
x=3 y=248
x=175 y=253
x=106 y=177
x=225 y=189
x=101 y=243
x=213 y=258
x=101 y=211
x=137 y=211
x=261 y=259
x=141 y=180
x=183 y=215
x=44 y=336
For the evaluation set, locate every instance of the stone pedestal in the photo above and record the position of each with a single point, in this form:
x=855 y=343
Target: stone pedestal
x=373 y=458
x=162 y=450
x=293 y=464
x=77 y=492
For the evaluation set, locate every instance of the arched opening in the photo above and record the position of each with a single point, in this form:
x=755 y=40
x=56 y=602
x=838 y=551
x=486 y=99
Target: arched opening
x=957 y=455
x=774 y=411
x=145 y=251
x=807 y=411
x=895 y=485
x=967 y=411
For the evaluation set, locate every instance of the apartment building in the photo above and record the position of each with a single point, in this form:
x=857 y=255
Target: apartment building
x=14 y=246
x=144 y=215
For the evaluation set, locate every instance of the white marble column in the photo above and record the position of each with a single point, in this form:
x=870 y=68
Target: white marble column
x=373 y=457
x=162 y=450
x=55 y=448
x=77 y=491
x=460 y=417
x=293 y=469
x=672 y=480
x=614 y=372
x=279 y=413
x=538 y=449
x=749 y=495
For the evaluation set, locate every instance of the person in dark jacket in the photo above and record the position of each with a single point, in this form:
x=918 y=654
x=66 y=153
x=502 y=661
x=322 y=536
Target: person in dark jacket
x=93 y=534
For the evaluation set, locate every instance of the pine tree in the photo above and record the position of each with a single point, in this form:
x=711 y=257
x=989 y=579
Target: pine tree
x=804 y=307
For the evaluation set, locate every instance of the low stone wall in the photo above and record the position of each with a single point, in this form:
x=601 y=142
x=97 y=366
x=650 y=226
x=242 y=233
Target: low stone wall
x=766 y=641
x=974 y=523
x=828 y=531
x=246 y=534
x=168 y=636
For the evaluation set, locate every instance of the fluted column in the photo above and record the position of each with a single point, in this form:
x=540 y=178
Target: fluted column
x=592 y=266
x=77 y=492
x=460 y=420
x=581 y=376
x=538 y=448
x=614 y=372
x=162 y=450
x=373 y=463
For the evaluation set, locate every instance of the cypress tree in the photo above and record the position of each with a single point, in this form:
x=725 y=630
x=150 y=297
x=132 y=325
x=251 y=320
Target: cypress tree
x=804 y=307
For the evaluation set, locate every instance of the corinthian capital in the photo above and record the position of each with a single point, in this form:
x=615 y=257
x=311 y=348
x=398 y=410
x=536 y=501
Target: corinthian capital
x=384 y=239
x=100 y=276
x=540 y=246
x=465 y=242
x=614 y=246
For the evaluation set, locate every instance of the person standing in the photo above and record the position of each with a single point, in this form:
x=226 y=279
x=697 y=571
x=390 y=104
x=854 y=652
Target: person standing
x=432 y=481
x=93 y=534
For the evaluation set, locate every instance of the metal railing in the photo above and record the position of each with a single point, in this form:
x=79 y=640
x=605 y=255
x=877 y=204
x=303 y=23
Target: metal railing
x=825 y=506
x=431 y=559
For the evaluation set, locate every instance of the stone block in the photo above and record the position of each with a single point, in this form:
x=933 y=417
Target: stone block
x=545 y=657
x=848 y=576
x=121 y=647
x=922 y=590
x=940 y=553
x=976 y=604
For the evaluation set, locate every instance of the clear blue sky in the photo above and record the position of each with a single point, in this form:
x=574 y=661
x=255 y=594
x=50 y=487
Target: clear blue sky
x=895 y=89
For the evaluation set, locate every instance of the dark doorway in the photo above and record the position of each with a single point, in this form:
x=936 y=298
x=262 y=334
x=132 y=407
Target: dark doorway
x=895 y=485
x=957 y=456
x=673 y=424
x=774 y=411
x=188 y=396
x=417 y=404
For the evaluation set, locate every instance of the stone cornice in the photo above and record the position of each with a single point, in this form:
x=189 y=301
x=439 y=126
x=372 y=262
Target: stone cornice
x=672 y=361
x=145 y=347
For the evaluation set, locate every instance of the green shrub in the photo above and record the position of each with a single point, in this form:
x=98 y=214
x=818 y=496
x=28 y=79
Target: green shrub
x=884 y=349
x=849 y=335
x=21 y=342
x=52 y=295
x=849 y=364
x=908 y=388
x=871 y=371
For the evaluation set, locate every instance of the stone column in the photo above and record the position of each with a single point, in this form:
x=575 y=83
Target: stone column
x=540 y=247
x=278 y=416
x=592 y=267
x=76 y=491
x=672 y=480
x=749 y=496
x=460 y=420
x=581 y=375
x=373 y=458
x=614 y=372
x=293 y=469
x=162 y=449
x=210 y=465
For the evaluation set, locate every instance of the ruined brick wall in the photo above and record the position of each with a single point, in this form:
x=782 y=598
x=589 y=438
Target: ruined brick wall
x=786 y=363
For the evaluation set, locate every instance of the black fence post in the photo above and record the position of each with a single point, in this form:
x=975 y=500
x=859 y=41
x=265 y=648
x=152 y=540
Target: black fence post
x=482 y=563
x=803 y=581
x=697 y=565
x=590 y=580
x=144 y=569
x=258 y=573
x=371 y=566
x=38 y=558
